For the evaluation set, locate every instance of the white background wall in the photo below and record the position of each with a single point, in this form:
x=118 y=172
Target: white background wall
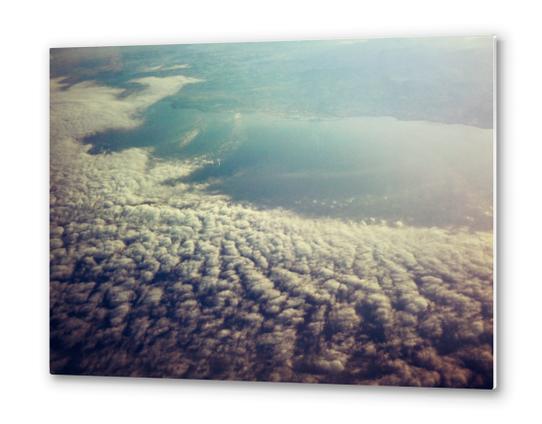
x=28 y=29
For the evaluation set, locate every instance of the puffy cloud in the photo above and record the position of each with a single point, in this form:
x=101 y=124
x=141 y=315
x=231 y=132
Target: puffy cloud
x=154 y=279
x=93 y=108
x=163 y=68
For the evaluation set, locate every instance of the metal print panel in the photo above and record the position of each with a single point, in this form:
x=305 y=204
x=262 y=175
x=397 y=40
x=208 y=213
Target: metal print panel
x=307 y=211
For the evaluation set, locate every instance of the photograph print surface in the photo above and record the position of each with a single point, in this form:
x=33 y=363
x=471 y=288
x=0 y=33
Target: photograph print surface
x=305 y=211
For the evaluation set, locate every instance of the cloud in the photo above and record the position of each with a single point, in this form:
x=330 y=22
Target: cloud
x=94 y=108
x=163 y=68
x=149 y=279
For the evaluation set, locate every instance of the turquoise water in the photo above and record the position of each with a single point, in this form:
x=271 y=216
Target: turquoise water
x=385 y=129
x=416 y=172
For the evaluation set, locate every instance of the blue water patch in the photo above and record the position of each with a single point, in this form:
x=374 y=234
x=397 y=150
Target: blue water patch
x=369 y=168
x=393 y=130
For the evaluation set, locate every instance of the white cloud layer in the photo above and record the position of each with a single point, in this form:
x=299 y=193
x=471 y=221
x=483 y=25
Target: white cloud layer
x=150 y=279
